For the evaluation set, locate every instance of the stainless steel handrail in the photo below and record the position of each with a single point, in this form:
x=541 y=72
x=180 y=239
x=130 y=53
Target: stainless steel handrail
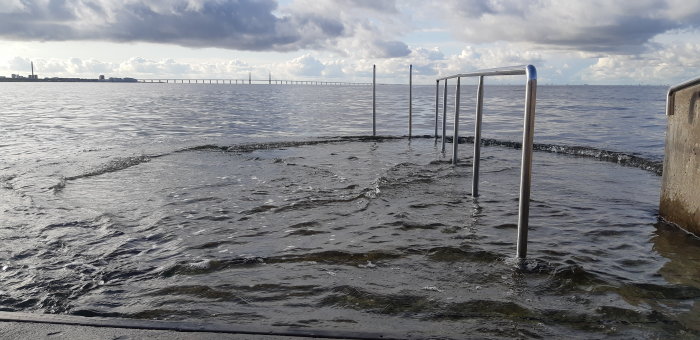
x=501 y=71
x=528 y=135
x=444 y=116
x=374 y=100
x=673 y=89
x=410 y=100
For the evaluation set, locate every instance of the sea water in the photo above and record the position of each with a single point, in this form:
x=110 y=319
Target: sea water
x=271 y=205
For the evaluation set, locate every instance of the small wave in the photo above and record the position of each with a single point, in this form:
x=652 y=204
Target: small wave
x=121 y=163
x=337 y=258
x=327 y=257
x=654 y=291
x=199 y=291
x=400 y=175
x=423 y=306
x=305 y=232
x=5 y=182
x=114 y=165
x=451 y=254
x=621 y=158
x=209 y=266
x=617 y=157
x=58 y=186
x=246 y=148
x=317 y=202
x=411 y=225
x=356 y=298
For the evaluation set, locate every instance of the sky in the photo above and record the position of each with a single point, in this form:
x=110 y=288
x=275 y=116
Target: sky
x=651 y=42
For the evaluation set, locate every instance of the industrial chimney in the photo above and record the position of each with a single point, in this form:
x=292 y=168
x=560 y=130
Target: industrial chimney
x=33 y=76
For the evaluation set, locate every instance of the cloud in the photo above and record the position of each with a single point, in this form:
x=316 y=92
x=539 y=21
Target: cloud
x=253 y=25
x=150 y=67
x=425 y=70
x=381 y=6
x=484 y=57
x=19 y=63
x=389 y=49
x=334 y=69
x=305 y=66
x=243 y=24
x=10 y=6
x=621 y=27
x=309 y=67
x=668 y=64
x=370 y=26
x=427 y=53
x=71 y=67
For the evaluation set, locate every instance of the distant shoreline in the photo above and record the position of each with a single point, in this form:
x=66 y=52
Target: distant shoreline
x=68 y=80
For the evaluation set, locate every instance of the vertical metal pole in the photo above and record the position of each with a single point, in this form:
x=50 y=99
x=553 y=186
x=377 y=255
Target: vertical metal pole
x=455 y=137
x=444 y=115
x=437 y=106
x=410 y=100
x=477 y=136
x=374 y=100
x=526 y=165
x=249 y=78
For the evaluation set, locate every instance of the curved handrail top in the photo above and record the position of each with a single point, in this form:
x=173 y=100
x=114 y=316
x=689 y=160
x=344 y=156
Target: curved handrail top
x=673 y=89
x=683 y=85
x=528 y=70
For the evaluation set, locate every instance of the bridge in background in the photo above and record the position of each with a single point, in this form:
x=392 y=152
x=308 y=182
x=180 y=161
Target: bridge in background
x=249 y=82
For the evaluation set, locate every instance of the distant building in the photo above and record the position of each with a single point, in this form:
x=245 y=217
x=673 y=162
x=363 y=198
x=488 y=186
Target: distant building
x=34 y=77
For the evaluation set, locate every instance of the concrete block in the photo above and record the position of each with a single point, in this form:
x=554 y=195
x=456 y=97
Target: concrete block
x=680 y=190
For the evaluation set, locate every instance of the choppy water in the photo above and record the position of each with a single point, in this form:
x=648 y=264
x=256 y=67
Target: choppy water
x=256 y=205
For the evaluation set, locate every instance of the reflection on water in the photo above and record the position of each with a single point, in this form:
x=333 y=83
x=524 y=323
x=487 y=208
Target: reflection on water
x=682 y=250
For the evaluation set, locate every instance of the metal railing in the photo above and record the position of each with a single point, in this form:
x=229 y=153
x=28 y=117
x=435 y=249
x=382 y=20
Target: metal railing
x=673 y=89
x=528 y=133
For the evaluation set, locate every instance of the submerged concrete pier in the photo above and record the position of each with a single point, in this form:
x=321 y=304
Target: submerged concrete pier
x=680 y=189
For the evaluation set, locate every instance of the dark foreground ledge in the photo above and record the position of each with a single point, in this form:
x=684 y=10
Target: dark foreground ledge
x=41 y=326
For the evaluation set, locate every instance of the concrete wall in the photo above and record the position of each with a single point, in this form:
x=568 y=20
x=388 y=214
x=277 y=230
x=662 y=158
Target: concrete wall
x=680 y=191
